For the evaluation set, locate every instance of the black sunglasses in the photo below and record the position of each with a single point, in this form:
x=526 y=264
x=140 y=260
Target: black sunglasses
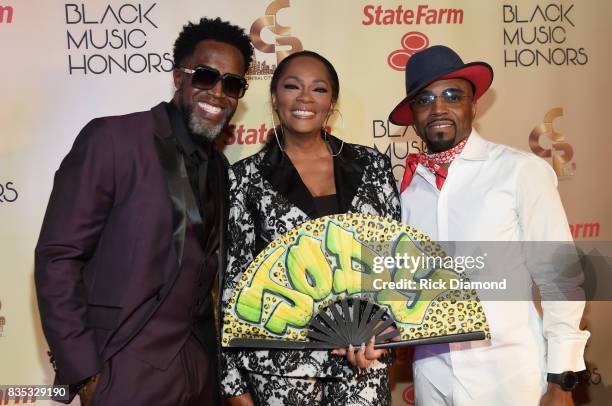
x=205 y=78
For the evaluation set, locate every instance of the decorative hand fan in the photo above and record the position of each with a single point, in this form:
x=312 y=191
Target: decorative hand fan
x=330 y=282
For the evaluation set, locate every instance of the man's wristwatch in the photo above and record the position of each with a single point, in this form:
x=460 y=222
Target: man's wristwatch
x=568 y=380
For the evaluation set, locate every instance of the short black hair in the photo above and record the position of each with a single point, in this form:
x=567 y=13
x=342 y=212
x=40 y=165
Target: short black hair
x=216 y=30
x=282 y=66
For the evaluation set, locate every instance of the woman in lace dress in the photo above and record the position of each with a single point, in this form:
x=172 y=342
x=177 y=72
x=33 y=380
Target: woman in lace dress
x=303 y=173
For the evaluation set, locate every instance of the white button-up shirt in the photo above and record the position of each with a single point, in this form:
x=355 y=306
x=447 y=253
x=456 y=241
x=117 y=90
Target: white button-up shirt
x=497 y=193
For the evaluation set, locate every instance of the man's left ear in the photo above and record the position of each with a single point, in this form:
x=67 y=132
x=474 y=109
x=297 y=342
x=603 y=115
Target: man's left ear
x=177 y=77
x=474 y=108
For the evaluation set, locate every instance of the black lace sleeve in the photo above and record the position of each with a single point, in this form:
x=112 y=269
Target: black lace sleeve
x=241 y=251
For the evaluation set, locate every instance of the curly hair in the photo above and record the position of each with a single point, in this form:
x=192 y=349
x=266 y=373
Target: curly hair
x=209 y=29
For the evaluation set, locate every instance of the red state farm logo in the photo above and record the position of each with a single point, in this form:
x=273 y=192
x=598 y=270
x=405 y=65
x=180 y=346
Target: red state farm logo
x=412 y=42
x=408 y=395
x=6 y=14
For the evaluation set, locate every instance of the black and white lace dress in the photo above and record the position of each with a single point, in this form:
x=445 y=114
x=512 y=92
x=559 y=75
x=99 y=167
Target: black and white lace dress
x=268 y=198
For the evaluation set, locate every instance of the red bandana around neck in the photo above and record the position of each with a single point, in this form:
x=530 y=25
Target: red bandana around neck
x=431 y=162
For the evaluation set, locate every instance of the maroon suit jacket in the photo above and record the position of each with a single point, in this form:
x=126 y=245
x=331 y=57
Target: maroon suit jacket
x=112 y=238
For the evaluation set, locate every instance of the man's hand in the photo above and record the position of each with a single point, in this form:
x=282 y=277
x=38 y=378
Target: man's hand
x=240 y=400
x=555 y=396
x=86 y=393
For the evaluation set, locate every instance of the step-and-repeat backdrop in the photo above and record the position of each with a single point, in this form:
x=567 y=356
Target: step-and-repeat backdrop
x=63 y=63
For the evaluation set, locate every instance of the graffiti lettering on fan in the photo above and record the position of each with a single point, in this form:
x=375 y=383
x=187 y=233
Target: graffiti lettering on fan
x=316 y=269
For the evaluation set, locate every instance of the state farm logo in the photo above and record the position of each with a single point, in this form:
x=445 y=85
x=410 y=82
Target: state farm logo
x=284 y=44
x=412 y=42
x=560 y=152
x=408 y=395
x=240 y=134
x=6 y=14
x=585 y=230
x=422 y=14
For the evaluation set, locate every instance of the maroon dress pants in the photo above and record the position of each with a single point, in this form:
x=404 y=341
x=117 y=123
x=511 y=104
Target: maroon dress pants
x=190 y=379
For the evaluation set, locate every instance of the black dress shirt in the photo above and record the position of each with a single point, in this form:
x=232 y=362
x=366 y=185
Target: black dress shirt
x=200 y=163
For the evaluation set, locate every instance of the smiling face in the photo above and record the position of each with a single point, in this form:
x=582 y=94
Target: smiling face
x=443 y=125
x=303 y=96
x=207 y=112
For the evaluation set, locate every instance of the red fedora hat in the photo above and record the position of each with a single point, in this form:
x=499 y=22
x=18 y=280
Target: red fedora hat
x=436 y=63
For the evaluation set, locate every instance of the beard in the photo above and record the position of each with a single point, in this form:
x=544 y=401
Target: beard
x=198 y=126
x=437 y=143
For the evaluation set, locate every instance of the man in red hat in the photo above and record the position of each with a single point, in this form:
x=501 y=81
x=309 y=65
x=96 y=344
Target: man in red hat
x=466 y=188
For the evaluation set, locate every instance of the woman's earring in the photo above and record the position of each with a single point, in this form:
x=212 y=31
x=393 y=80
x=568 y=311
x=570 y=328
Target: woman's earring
x=341 y=120
x=274 y=129
x=325 y=135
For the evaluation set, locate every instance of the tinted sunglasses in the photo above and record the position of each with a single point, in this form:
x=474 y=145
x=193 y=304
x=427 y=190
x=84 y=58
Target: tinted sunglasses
x=449 y=96
x=205 y=78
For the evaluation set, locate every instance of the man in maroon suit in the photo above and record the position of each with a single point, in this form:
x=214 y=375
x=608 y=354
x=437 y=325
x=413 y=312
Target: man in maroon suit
x=134 y=235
